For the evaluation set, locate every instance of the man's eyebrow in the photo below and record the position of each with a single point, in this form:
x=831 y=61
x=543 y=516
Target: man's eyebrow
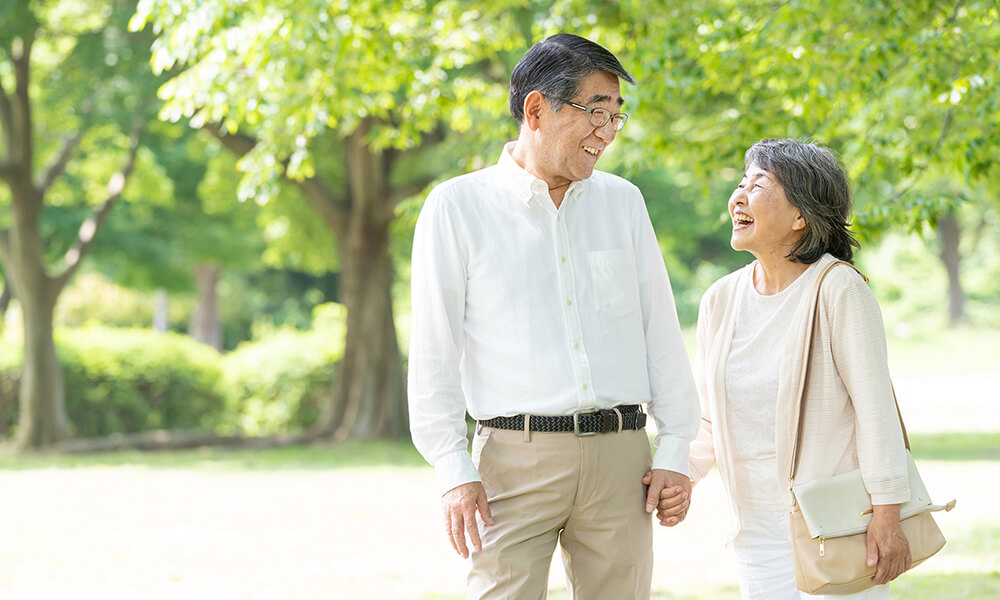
x=602 y=98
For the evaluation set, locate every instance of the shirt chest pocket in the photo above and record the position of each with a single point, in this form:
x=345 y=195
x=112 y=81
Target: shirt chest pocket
x=615 y=282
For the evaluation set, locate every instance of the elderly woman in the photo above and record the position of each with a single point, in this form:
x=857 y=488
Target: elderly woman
x=791 y=211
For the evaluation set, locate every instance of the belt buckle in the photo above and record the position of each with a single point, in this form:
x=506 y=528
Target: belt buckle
x=576 y=421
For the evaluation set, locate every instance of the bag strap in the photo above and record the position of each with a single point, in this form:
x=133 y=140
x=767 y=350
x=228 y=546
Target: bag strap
x=807 y=361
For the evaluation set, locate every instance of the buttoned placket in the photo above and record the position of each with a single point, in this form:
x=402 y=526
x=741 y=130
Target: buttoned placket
x=586 y=398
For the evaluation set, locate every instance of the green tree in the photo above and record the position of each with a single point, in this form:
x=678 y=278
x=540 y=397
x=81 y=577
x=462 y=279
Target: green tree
x=334 y=98
x=906 y=92
x=72 y=96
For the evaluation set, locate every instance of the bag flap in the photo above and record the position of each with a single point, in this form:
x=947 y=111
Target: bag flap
x=840 y=505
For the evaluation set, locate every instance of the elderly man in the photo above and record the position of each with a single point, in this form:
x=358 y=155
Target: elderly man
x=541 y=305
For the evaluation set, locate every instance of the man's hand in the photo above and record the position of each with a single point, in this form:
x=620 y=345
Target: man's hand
x=888 y=548
x=460 y=505
x=670 y=493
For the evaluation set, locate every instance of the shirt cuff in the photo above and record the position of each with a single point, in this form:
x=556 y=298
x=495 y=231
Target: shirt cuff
x=672 y=454
x=452 y=470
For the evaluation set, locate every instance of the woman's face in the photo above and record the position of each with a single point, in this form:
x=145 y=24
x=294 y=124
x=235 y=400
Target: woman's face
x=764 y=222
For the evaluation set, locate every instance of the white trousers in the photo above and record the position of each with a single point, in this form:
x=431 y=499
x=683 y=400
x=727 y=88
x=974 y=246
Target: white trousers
x=765 y=564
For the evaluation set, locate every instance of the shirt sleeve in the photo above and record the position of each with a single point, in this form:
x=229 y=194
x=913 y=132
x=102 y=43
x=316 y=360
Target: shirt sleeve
x=434 y=387
x=673 y=401
x=859 y=352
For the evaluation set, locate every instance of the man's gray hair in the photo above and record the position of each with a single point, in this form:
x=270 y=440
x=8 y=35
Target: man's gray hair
x=817 y=186
x=555 y=66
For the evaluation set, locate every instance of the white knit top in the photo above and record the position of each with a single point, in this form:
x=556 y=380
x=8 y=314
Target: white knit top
x=752 y=389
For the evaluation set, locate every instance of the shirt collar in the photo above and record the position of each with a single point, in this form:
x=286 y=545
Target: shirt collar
x=527 y=184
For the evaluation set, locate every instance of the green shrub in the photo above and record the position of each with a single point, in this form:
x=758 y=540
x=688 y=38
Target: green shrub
x=128 y=380
x=282 y=382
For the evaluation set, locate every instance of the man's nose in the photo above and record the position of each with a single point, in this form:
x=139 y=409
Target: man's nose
x=607 y=132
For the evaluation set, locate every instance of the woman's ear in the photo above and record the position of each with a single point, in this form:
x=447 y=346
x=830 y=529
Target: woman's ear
x=799 y=224
x=534 y=105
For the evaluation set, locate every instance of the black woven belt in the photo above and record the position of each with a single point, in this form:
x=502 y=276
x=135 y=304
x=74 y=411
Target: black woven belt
x=582 y=422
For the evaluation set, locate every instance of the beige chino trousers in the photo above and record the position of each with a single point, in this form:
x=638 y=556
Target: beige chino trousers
x=585 y=493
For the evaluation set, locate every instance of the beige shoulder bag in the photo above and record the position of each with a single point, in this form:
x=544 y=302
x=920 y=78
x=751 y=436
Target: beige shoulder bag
x=829 y=519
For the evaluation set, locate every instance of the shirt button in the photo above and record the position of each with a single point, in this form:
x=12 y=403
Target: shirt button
x=569 y=303
x=585 y=386
x=563 y=259
x=575 y=345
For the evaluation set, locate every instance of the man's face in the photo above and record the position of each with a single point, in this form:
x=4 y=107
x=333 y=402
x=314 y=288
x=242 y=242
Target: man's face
x=571 y=145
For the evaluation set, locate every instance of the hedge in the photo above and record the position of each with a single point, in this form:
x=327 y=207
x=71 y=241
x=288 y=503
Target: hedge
x=126 y=381
x=133 y=380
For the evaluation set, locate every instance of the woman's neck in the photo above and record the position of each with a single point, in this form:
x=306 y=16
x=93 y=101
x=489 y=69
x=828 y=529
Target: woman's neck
x=773 y=274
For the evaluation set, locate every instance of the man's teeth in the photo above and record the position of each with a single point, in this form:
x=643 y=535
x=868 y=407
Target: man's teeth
x=591 y=150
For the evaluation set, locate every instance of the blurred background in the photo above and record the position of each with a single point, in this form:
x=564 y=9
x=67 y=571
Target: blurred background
x=206 y=212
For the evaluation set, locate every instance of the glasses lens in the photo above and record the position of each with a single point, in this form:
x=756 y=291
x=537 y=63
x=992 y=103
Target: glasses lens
x=599 y=117
x=620 y=119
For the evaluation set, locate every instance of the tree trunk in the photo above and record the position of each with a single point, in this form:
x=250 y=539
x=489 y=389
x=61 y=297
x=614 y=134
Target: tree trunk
x=950 y=233
x=161 y=311
x=370 y=378
x=43 y=412
x=205 y=326
x=371 y=398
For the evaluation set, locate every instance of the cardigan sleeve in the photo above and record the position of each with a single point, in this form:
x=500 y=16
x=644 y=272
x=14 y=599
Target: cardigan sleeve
x=859 y=353
x=703 y=447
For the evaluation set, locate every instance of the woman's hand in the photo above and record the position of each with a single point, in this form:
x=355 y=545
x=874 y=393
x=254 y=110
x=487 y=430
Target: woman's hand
x=888 y=548
x=673 y=501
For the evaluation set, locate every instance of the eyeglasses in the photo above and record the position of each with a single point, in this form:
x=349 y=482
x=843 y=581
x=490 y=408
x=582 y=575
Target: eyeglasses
x=599 y=117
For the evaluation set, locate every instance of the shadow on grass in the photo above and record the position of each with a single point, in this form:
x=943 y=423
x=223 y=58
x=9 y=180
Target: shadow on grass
x=956 y=446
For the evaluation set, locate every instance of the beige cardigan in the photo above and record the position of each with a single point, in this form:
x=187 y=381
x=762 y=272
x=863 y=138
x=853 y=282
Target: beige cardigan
x=850 y=417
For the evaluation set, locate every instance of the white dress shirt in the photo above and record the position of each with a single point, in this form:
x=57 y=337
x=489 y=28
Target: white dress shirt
x=520 y=307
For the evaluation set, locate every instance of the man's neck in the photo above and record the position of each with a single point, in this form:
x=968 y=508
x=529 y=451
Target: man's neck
x=522 y=156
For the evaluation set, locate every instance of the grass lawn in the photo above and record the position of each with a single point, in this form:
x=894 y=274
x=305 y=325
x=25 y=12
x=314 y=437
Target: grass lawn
x=360 y=520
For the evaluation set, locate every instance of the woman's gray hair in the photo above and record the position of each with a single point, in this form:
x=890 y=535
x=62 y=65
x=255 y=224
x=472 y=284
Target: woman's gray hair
x=555 y=66
x=817 y=186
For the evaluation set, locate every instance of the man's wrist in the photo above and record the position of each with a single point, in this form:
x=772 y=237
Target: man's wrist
x=455 y=469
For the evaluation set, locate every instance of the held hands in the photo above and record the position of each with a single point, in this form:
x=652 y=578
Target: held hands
x=888 y=548
x=459 y=505
x=669 y=493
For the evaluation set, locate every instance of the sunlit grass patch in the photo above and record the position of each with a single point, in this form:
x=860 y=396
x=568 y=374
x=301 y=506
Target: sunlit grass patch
x=342 y=455
x=958 y=446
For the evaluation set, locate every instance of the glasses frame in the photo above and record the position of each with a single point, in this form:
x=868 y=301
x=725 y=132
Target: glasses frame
x=619 y=124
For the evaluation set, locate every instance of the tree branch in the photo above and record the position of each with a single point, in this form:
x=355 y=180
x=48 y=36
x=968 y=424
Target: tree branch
x=332 y=209
x=402 y=193
x=58 y=165
x=89 y=228
x=930 y=157
x=238 y=143
x=21 y=148
x=6 y=119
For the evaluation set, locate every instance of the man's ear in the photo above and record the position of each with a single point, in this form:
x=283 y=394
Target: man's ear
x=534 y=106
